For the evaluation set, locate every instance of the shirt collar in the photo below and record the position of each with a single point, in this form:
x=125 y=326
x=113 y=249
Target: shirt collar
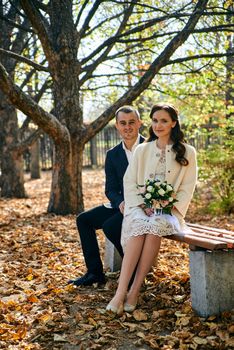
x=134 y=146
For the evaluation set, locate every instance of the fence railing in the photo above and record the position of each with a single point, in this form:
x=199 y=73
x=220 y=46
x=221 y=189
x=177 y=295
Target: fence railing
x=95 y=150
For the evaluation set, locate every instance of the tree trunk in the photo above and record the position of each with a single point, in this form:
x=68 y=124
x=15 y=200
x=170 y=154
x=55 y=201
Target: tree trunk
x=93 y=151
x=12 y=176
x=35 y=160
x=66 y=188
x=230 y=70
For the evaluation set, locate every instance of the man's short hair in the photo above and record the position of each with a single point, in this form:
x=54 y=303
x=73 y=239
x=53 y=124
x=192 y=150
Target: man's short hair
x=127 y=109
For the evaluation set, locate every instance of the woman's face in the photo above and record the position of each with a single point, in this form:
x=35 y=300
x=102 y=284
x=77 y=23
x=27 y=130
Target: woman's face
x=162 y=124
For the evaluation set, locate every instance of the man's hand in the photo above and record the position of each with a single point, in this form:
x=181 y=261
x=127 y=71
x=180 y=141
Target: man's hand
x=121 y=207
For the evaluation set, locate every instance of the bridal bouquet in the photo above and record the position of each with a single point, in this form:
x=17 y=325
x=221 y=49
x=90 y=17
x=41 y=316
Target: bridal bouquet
x=158 y=195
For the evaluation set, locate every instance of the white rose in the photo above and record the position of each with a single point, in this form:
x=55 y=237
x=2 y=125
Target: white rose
x=170 y=199
x=161 y=192
x=150 y=188
x=169 y=188
x=148 y=196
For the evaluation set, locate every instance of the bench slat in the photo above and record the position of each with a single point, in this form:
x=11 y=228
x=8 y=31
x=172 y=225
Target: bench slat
x=199 y=241
x=214 y=229
x=213 y=233
x=216 y=238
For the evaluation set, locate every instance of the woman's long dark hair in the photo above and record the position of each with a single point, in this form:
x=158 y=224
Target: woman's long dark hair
x=177 y=135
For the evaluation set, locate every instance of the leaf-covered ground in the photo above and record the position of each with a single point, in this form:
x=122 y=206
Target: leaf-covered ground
x=38 y=310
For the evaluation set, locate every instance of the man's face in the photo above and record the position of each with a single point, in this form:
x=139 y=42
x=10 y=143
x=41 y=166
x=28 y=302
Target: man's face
x=128 y=125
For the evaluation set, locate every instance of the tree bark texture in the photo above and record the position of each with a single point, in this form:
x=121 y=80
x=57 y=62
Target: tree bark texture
x=12 y=173
x=230 y=72
x=66 y=189
x=35 y=160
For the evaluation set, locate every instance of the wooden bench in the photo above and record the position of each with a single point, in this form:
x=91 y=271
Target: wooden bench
x=211 y=267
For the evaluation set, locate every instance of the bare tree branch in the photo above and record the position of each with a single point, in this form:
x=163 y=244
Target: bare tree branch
x=15 y=8
x=146 y=25
x=43 y=89
x=89 y=17
x=103 y=22
x=40 y=25
x=24 y=59
x=119 y=54
x=18 y=44
x=24 y=126
x=27 y=105
x=41 y=6
x=30 y=74
x=117 y=37
x=146 y=79
x=22 y=146
x=195 y=57
x=80 y=12
x=105 y=53
x=37 y=98
x=221 y=28
x=16 y=25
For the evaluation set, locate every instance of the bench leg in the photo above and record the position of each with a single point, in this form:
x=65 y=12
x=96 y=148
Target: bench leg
x=212 y=281
x=112 y=259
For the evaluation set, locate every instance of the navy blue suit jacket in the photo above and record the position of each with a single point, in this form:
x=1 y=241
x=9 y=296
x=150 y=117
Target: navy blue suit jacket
x=116 y=164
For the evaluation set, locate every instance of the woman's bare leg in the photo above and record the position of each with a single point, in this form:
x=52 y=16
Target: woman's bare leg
x=147 y=259
x=131 y=257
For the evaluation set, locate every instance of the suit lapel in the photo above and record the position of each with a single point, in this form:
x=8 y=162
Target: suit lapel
x=142 y=139
x=122 y=157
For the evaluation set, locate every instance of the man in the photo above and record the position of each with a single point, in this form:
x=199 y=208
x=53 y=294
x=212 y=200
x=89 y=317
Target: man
x=109 y=217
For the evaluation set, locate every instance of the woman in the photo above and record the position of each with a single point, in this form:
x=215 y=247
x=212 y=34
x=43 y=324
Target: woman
x=164 y=156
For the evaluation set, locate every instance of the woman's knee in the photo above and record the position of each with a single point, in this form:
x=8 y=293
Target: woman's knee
x=153 y=241
x=153 y=238
x=137 y=240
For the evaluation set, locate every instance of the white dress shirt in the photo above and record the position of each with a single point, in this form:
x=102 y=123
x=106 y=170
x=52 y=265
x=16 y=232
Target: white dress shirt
x=129 y=152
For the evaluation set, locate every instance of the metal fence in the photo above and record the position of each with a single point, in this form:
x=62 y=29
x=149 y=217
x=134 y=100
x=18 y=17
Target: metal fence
x=95 y=150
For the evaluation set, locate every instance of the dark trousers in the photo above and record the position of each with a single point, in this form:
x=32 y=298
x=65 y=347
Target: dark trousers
x=107 y=219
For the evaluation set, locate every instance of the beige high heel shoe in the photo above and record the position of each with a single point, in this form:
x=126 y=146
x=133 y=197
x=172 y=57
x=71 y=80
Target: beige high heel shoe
x=129 y=308
x=116 y=310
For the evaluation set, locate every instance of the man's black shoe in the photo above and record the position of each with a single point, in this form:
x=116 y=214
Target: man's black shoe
x=88 y=279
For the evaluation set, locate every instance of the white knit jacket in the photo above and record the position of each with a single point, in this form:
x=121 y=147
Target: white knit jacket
x=143 y=166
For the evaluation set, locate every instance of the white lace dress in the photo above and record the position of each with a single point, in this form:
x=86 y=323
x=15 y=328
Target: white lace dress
x=137 y=223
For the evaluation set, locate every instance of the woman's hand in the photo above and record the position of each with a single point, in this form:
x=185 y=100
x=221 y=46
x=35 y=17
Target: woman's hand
x=147 y=211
